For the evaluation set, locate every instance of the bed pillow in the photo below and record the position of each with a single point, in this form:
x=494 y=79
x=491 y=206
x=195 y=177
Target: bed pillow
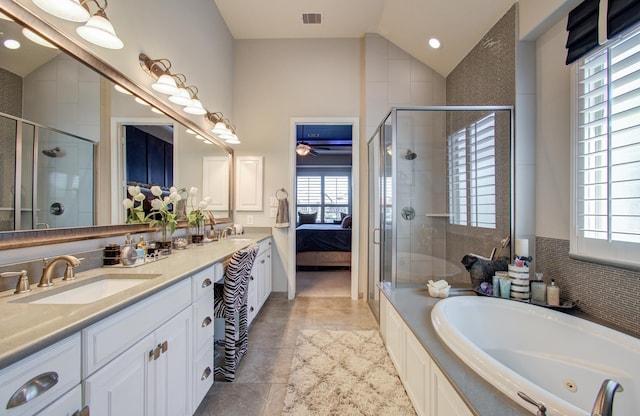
x=307 y=218
x=346 y=222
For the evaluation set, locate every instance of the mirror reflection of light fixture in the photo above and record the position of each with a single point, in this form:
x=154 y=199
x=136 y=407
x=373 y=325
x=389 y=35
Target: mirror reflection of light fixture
x=37 y=39
x=141 y=101
x=98 y=29
x=120 y=89
x=303 y=149
x=11 y=44
x=71 y=10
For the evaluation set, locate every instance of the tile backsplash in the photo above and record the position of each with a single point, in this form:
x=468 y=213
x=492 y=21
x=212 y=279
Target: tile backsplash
x=607 y=293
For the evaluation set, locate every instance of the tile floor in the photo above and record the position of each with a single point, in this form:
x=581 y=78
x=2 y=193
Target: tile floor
x=261 y=379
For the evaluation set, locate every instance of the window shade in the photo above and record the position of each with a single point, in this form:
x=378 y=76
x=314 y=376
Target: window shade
x=621 y=14
x=582 y=25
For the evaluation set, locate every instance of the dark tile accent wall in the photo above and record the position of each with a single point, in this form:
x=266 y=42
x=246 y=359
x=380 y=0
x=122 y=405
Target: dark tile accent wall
x=604 y=292
x=486 y=76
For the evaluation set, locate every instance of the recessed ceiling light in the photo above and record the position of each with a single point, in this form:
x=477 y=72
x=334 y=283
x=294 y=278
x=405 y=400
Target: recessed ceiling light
x=11 y=44
x=434 y=43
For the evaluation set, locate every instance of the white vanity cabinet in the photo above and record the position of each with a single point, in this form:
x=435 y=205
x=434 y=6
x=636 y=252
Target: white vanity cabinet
x=429 y=390
x=203 y=329
x=260 y=281
x=33 y=383
x=139 y=361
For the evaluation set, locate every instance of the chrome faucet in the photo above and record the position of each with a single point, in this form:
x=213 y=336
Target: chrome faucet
x=226 y=231
x=47 y=269
x=604 y=401
x=542 y=409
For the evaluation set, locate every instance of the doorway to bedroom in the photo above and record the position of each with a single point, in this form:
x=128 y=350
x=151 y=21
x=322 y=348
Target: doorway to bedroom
x=324 y=185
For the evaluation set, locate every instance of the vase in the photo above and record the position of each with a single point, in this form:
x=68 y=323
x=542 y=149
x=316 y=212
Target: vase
x=165 y=243
x=197 y=234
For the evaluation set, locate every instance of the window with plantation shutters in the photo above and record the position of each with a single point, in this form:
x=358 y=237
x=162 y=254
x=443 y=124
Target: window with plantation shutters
x=606 y=214
x=472 y=174
x=326 y=193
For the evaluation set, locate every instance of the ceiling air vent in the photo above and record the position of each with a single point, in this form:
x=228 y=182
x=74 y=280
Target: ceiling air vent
x=311 y=18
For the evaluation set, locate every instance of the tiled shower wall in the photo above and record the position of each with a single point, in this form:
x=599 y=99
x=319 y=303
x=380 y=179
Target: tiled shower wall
x=604 y=292
x=486 y=76
x=10 y=103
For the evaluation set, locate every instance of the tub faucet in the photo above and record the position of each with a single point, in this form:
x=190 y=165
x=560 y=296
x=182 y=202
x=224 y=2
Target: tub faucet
x=604 y=401
x=47 y=269
x=542 y=409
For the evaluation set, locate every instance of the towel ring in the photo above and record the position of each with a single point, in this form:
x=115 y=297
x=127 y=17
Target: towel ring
x=279 y=193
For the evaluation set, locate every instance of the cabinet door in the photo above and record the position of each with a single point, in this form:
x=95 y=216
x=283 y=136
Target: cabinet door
x=444 y=399
x=249 y=183
x=119 y=388
x=173 y=381
x=417 y=374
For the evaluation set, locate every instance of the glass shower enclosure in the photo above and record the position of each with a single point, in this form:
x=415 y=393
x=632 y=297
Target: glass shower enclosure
x=440 y=186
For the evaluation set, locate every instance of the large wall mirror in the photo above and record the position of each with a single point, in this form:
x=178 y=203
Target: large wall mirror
x=63 y=130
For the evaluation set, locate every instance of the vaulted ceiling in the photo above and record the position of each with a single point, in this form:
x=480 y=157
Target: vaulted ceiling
x=458 y=24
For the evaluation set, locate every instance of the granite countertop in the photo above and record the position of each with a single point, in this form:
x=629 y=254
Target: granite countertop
x=414 y=306
x=27 y=328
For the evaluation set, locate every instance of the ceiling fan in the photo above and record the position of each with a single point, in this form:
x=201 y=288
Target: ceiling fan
x=304 y=149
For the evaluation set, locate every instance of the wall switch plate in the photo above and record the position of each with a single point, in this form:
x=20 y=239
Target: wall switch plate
x=274 y=212
x=273 y=201
x=249 y=219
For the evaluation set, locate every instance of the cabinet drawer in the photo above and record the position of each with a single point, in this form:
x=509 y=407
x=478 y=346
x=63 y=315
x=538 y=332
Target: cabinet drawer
x=59 y=362
x=203 y=375
x=66 y=405
x=104 y=340
x=264 y=245
x=203 y=321
x=203 y=281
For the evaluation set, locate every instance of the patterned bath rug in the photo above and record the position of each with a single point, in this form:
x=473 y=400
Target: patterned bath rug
x=343 y=373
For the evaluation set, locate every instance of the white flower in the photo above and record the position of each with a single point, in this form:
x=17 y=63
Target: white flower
x=156 y=204
x=133 y=190
x=175 y=197
x=166 y=200
x=203 y=204
x=193 y=190
x=128 y=204
x=156 y=190
x=140 y=197
x=173 y=189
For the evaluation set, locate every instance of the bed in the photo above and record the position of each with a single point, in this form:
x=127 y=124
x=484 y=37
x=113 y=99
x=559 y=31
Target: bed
x=323 y=245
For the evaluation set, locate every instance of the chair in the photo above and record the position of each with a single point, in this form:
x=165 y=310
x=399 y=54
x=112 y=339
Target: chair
x=231 y=299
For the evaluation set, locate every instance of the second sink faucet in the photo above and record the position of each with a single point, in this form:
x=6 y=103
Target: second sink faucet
x=47 y=269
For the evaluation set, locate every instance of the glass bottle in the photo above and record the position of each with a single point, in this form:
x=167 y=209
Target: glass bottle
x=538 y=290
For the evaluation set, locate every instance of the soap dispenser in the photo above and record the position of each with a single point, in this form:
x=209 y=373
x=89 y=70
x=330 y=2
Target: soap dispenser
x=128 y=255
x=553 y=294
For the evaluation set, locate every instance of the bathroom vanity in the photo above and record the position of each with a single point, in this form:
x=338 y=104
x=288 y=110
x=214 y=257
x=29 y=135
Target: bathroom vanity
x=144 y=350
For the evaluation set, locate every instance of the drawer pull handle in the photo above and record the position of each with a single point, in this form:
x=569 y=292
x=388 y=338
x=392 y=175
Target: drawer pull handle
x=165 y=346
x=156 y=352
x=252 y=278
x=251 y=309
x=206 y=322
x=262 y=261
x=206 y=373
x=206 y=282
x=33 y=388
x=82 y=412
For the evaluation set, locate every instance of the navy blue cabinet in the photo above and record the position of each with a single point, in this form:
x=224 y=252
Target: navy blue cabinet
x=149 y=159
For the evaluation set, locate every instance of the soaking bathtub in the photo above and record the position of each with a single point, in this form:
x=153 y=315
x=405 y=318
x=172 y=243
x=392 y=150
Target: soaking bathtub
x=555 y=358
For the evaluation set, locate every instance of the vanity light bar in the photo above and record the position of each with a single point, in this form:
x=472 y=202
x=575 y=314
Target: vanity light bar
x=185 y=96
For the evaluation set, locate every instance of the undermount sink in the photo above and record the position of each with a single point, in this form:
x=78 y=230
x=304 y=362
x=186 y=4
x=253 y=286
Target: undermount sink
x=87 y=291
x=241 y=239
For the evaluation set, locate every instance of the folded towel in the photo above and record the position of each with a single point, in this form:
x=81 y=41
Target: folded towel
x=282 y=217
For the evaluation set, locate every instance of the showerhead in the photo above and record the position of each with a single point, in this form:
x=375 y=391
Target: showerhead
x=51 y=152
x=409 y=155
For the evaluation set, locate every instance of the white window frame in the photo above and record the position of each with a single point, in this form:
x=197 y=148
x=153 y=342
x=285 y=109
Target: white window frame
x=603 y=251
x=324 y=173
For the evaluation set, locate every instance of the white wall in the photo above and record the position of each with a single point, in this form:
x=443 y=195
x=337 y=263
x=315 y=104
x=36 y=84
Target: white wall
x=553 y=134
x=276 y=80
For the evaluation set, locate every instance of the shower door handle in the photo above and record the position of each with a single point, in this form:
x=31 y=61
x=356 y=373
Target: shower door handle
x=373 y=235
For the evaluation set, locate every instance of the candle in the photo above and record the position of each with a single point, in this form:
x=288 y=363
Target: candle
x=522 y=247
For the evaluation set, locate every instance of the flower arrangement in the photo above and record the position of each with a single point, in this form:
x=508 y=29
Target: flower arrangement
x=163 y=211
x=196 y=214
x=135 y=212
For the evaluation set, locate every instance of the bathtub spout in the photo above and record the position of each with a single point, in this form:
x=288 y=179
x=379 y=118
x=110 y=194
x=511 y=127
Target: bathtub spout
x=604 y=401
x=542 y=410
